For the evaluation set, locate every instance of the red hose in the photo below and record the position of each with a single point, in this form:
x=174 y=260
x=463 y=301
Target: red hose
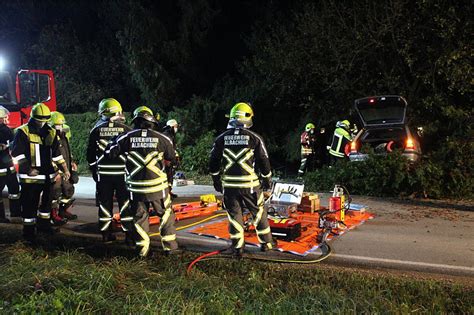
x=202 y=257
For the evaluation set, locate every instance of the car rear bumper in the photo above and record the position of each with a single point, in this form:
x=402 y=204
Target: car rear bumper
x=411 y=156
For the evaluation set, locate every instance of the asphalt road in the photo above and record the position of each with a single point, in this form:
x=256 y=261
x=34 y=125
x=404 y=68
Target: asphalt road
x=428 y=236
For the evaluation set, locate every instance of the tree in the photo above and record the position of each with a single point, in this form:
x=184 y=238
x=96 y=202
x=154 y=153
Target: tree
x=312 y=66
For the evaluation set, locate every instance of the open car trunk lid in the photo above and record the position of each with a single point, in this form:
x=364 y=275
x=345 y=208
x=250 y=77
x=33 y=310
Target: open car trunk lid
x=377 y=111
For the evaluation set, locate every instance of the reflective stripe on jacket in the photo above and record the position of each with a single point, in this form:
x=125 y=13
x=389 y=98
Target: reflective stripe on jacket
x=339 y=140
x=100 y=136
x=243 y=153
x=145 y=151
x=38 y=149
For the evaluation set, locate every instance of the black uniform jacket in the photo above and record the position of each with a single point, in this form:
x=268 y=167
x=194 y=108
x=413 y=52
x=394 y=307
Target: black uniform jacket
x=244 y=154
x=145 y=151
x=99 y=138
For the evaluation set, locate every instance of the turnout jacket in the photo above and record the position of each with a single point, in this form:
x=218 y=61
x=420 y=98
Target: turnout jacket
x=244 y=153
x=99 y=138
x=340 y=139
x=307 y=143
x=64 y=147
x=6 y=161
x=145 y=152
x=36 y=148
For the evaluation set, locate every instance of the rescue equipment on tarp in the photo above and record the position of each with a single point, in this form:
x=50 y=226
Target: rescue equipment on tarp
x=301 y=226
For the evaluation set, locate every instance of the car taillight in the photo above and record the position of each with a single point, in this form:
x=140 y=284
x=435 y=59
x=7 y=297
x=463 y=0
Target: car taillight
x=390 y=145
x=354 y=146
x=410 y=145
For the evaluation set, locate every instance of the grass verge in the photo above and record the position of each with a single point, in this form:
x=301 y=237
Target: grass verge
x=71 y=275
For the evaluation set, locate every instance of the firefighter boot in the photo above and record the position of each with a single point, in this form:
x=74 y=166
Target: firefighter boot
x=129 y=240
x=3 y=219
x=64 y=211
x=29 y=234
x=237 y=252
x=173 y=195
x=56 y=219
x=44 y=226
x=265 y=247
x=108 y=237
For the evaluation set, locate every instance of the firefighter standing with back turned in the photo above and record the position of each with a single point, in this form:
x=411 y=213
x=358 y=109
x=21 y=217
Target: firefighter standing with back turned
x=108 y=173
x=146 y=151
x=308 y=139
x=244 y=153
x=7 y=170
x=340 y=140
x=36 y=148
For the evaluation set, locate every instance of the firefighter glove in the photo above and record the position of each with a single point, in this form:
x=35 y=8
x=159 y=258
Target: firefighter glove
x=94 y=174
x=217 y=183
x=66 y=175
x=74 y=179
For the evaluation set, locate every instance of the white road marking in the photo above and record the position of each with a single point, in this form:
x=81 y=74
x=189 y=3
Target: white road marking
x=403 y=262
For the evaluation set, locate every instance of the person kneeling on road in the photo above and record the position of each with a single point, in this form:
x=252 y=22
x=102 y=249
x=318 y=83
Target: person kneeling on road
x=242 y=150
x=146 y=151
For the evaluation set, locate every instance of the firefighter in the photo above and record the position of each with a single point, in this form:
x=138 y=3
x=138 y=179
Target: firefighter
x=108 y=173
x=146 y=151
x=244 y=154
x=170 y=131
x=7 y=170
x=308 y=139
x=36 y=148
x=340 y=140
x=104 y=119
x=63 y=191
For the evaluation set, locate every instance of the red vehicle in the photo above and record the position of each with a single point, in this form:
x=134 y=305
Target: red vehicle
x=31 y=87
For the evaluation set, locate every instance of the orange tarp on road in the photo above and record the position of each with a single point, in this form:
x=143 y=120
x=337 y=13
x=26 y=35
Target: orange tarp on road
x=303 y=245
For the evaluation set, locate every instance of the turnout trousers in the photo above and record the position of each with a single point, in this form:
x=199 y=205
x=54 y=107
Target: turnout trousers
x=253 y=200
x=107 y=188
x=11 y=181
x=135 y=223
x=305 y=159
x=62 y=193
x=31 y=193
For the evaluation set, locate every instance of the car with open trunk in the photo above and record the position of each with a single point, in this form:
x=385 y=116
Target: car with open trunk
x=385 y=129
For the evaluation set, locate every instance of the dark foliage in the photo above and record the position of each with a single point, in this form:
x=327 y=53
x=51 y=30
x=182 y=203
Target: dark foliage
x=294 y=61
